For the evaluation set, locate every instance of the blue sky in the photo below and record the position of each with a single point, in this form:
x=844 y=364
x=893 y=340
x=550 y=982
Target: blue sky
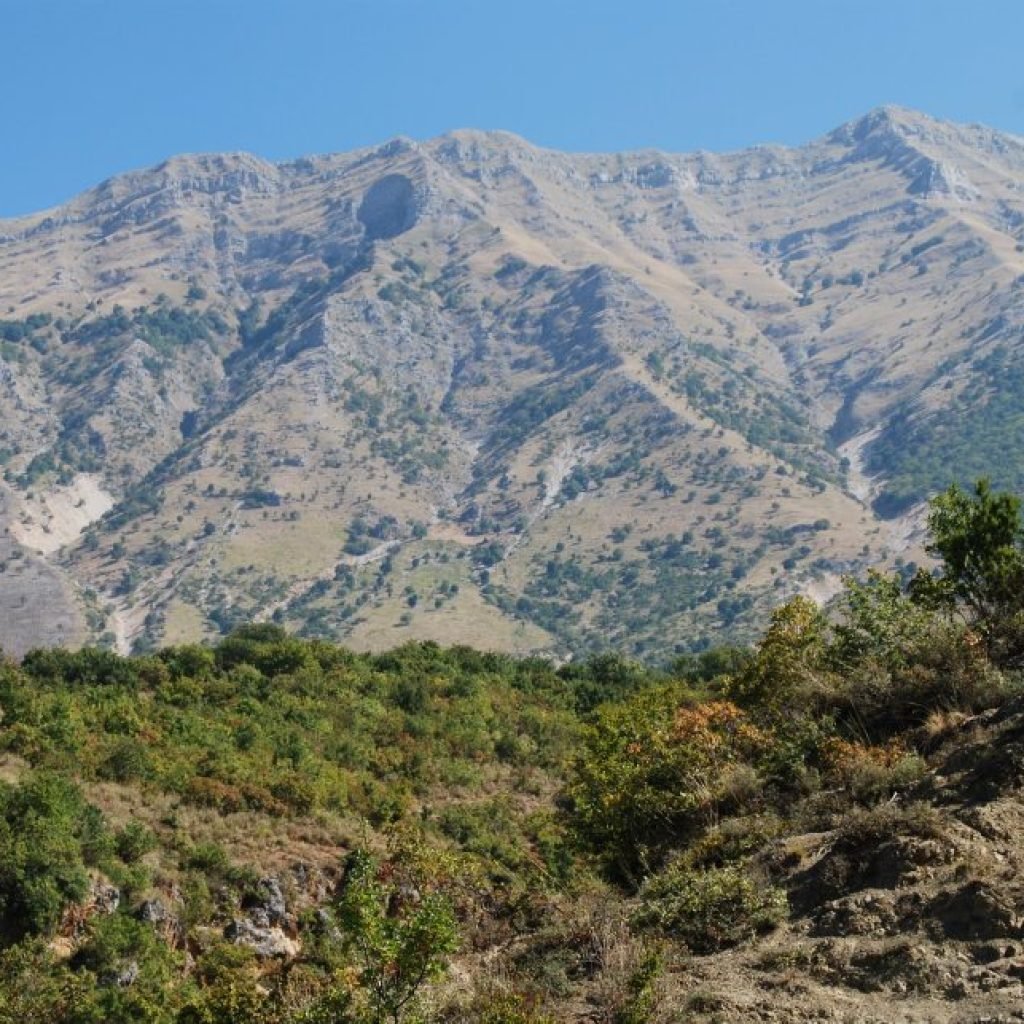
x=92 y=87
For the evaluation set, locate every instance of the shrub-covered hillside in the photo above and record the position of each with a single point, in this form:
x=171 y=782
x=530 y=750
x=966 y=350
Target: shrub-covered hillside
x=825 y=826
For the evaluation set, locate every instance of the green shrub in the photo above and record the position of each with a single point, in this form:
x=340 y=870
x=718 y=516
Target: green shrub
x=136 y=970
x=134 y=841
x=879 y=622
x=189 y=661
x=506 y=1008
x=229 y=990
x=36 y=987
x=637 y=1003
x=864 y=830
x=400 y=927
x=49 y=835
x=946 y=672
x=91 y=666
x=128 y=760
x=732 y=840
x=710 y=909
x=209 y=858
x=656 y=772
x=789 y=666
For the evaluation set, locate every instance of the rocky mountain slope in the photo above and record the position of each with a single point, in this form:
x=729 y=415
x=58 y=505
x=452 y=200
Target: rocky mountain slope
x=476 y=391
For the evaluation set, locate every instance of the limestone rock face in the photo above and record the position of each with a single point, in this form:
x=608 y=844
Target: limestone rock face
x=268 y=905
x=268 y=941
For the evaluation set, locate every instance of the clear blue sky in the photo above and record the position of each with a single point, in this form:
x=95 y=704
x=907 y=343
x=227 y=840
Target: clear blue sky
x=92 y=87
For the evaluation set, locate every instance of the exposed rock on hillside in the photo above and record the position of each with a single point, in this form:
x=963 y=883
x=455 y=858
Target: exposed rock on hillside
x=273 y=370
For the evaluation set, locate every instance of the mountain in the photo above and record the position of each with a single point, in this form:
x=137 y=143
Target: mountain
x=480 y=392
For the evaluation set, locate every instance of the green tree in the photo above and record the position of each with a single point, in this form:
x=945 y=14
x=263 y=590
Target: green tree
x=980 y=540
x=35 y=987
x=400 y=929
x=878 y=621
x=48 y=835
x=655 y=772
x=787 y=666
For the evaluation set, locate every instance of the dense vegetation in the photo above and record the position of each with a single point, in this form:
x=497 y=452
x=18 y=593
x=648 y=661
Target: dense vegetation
x=279 y=830
x=921 y=453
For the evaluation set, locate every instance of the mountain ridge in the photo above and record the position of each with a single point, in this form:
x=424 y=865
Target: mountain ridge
x=892 y=120
x=521 y=376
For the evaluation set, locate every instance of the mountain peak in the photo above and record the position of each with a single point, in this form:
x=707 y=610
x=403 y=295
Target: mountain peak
x=475 y=143
x=494 y=136
x=888 y=120
x=890 y=126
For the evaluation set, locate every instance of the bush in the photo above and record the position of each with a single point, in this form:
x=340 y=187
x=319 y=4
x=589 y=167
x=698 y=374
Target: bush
x=788 y=666
x=400 y=928
x=266 y=647
x=189 y=661
x=948 y=671
x=604 y=677
x=506 y=1008
x=136 y=970
x=866 y=830
x=48 y=836
x=710 y=910
x=134 y=841
x=35 y=986
x=870 y=773
x=91 y=666
x=209 y=858
x=657 y=771
x=208 y=792
x=878 y=622
x=733 y=840
x=128 y=760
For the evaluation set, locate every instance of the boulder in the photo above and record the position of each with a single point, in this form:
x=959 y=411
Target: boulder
x=267 y=942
